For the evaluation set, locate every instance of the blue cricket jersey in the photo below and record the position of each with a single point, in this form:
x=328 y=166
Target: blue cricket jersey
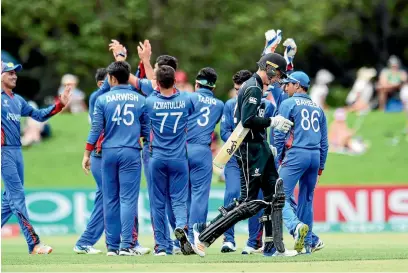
x=168 y=124
x=309 y=130
x=92 y=100
x=207 y=113
x=121 y=114
x=14 y=107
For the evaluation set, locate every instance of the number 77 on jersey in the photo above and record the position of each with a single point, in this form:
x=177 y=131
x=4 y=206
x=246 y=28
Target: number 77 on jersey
x=231 y=146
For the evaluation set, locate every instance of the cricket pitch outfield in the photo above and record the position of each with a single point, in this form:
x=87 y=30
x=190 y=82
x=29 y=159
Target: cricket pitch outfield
x=343 y=252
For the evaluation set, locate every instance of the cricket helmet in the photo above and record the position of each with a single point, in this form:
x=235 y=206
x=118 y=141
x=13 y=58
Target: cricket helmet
x=271 y=62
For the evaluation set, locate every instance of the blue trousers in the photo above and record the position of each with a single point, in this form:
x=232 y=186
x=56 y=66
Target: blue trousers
x=121 y=171
x=299 y=165
x=233 y=190
x=293 y=204
x=200 y=176
x=13 y=198
x=95 y=226
x=169 y=181
x=166 y=231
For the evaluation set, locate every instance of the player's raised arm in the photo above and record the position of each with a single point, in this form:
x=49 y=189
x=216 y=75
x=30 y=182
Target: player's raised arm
x=144 y=51
x=45 y=113
x=324 y=144
x=273 y=39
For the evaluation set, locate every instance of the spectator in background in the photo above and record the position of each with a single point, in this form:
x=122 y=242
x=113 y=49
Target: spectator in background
x=391 y=80
x=182 y=82
x=341 y=138
x=77 y=104
x=320 y=89
x=34 y=131
x=360 y=95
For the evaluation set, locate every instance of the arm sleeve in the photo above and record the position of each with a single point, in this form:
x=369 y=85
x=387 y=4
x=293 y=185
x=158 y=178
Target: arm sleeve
x=145 y=86
x=280 y=137
x=97 y=125
x=92 y=100
x=144 y=123
x=220 y=114
x=251 y=101
x=40 y=115
x=105 y=86
x=227 y=123
x=324 y=145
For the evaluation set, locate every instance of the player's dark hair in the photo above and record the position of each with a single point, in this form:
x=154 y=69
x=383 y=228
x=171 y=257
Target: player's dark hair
x=165 y=76
x=167 y=60
x=305 y=88
x=208 y=74
x=119 y=70
x=241 y=76
x=100 y=74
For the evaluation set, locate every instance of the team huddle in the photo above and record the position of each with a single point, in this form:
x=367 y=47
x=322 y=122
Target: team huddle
x=176 y=128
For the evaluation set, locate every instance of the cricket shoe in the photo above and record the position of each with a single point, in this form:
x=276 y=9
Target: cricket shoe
x=250 y=250
x=199 y=247
x=112 y=252
x=319 y=246
x=185 y=245
x=128 y=252
x=177 y=250
x=142 y=250
x=86 y=250
x=300 y=234
x=160 y=253
x=228 y=247
x=41 y=249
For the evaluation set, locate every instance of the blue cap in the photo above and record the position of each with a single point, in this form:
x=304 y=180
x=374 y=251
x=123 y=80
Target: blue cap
x=6 y=67
x=298 y=77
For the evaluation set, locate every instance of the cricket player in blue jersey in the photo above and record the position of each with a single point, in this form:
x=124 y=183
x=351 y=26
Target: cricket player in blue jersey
x=121 y=114
x=168 y=112
x=201 y=124
x=302 y=154
x=232 y=174
x=148 y=87
x=13 y=107
x=95 y=226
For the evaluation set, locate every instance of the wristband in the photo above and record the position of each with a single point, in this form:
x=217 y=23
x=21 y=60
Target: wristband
x=121 y=53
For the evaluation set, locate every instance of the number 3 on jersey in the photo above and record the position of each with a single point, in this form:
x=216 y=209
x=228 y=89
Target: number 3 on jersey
x=205 y=109
x=310 y=120
x=165 y=115
x=117 y=117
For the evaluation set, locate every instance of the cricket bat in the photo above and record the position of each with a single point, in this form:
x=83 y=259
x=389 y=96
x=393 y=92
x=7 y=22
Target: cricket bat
x=230 y=147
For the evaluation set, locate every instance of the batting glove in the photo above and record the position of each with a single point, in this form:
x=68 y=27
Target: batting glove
x=290 y=50
x=281 y=124
x=272 y=40
x=273 y=150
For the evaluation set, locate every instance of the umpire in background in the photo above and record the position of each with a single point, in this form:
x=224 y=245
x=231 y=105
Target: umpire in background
x=257 y=166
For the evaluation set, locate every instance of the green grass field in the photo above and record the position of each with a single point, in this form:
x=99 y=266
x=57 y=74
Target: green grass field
x=343 y=252
x=56 y=163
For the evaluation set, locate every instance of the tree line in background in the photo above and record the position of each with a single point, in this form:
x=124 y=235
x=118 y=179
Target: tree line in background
x=52 y=38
